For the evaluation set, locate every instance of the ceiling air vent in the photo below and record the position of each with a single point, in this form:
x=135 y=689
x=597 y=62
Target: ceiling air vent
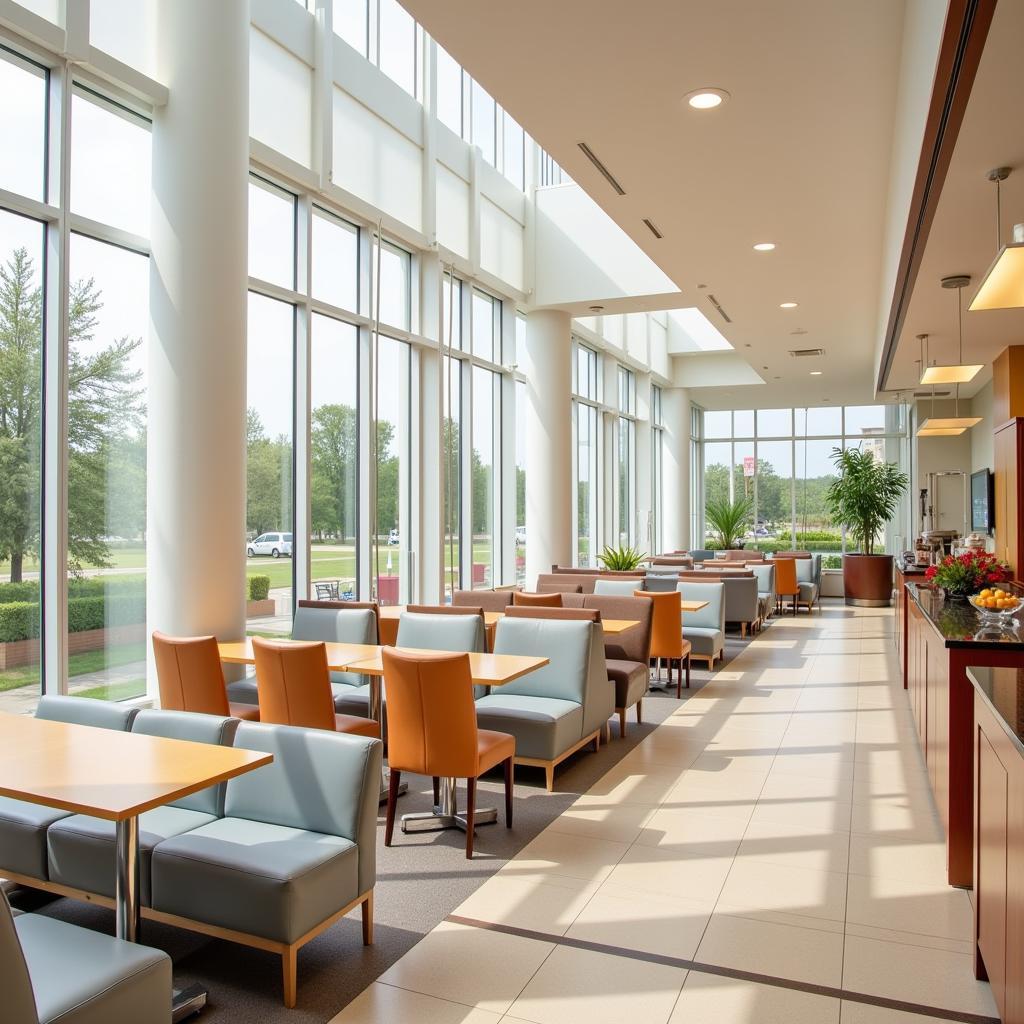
x=714 y=302
x=929 y=394
x=606 y=174
x=805 y=353
x=654 y=231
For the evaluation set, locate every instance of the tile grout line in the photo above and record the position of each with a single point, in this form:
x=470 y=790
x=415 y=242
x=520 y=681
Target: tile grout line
x=865 y=998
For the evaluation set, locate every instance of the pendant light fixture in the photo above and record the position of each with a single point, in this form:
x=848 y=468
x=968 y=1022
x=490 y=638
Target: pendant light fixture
x=956 y=424
x=954 y=373
x=1002 y=287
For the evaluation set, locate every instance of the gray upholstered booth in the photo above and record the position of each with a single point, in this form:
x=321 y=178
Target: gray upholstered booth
x=294 y=852
x=489 y=600
x=627 y=655
x=741 y=603
x=559 y=708
x=621 y=588
x=705 y=629
x=23 y=825
x=80 y=848
x=765 y=576
x=54 y=971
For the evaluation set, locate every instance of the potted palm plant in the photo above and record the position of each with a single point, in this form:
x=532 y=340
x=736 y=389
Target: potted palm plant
x=729 y=519
x=863 y=499
x=622 y=559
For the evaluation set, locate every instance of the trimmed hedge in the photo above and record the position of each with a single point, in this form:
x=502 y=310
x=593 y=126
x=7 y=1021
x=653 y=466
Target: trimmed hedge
x=80 y=586
x=259 y=588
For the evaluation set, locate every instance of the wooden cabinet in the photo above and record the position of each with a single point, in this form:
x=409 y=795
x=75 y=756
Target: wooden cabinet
x=1008 y=451
x=999 y=862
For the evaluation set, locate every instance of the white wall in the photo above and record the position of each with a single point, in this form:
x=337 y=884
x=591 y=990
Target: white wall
x=982 y=455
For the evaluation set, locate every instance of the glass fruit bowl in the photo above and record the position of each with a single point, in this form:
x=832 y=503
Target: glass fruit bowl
x=996 y=604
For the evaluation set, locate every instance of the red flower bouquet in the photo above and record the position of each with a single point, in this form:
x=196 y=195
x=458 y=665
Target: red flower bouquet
x=962 y=575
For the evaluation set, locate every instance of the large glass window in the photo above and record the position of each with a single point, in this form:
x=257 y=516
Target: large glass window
x=514 y=151
x=22 y=128
x=271 y=233
x=334 y=455
x=269 y=452
x=395 y=282
x=485 y=501
x=587 y=490
x=397 y=45
x=655 y=539
x=351 y=22
x=788 y=468
x=452 y=369
x=335 y=270
x=449 y=91
x=520 y=538
x=484 y=131
x=486 y=326
x=106 y=609
x=625 y=456
x=392 y=497
x=21 y=361
x=110 y=163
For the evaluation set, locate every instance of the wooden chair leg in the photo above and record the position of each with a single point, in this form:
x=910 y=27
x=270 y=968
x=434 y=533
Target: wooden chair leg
x=470 y=809
x=368 y=920
x=509 y=791
x=679 y=681
x=290 y=971
x=688 y=671
x=394 y=780
x=743 y=629
x=437 y=791
x=622 y=722
x=549 y=777
x=639 y=710
x=608 y=731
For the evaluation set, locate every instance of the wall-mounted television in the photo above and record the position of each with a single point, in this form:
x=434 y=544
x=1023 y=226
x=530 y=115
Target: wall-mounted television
x=982 y=501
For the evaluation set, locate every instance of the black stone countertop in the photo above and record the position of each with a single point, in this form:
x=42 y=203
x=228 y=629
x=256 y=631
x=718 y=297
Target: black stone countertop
x=960 y=625
x=1003 y=691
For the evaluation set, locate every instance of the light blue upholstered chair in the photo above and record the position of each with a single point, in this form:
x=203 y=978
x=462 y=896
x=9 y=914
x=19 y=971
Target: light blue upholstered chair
x=765 y=576
x=705 y=629
x=559 y=708
x=808 y=578
x=52 y=971
x=23 y=825
x=295 y=848
x=81 y=850
x=442 y=632
x=617 y=588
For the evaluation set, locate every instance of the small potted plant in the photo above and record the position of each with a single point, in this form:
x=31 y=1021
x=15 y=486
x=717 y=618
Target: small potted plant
x=863 y=499
x=729 y=520
x=962 y=575
x=622 y=559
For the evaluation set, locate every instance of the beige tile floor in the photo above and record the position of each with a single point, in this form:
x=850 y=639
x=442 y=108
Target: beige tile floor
x=778 y=823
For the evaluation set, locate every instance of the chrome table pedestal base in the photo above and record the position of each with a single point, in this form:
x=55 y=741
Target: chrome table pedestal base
x=446 y=814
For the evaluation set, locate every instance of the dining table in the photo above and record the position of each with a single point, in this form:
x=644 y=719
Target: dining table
x=116 y=776
x=367 y=660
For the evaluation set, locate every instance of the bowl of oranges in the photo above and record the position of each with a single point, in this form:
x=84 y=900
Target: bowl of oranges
x=994 y=603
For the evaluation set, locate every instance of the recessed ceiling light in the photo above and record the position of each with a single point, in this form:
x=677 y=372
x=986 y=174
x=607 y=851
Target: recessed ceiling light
x=706 y=99
x=787 y=305
x=816 y=373
x=596 y=309
x=764 y=246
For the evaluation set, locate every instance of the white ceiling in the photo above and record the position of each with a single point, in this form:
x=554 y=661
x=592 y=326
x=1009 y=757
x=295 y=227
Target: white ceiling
x=962 y=239
x=799 y=155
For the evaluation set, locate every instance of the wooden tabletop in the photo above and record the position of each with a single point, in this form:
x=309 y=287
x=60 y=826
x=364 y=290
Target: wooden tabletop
x=365 y=659
x=693 y=606
x=108 y=774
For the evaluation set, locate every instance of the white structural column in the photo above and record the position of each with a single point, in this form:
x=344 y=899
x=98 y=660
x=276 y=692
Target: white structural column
x=198 y=278
x=549 y=484
x=675 y=470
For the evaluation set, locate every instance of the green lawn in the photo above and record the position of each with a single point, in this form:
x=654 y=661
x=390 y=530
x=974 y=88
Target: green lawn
x=78 y=665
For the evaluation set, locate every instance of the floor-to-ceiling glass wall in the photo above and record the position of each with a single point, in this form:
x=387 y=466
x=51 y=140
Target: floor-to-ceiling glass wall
x=781 y=460
x=587 y=455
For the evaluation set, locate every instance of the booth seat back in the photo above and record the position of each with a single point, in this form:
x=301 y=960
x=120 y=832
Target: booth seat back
x=702 y=554
x=712 y=616
x=442 y=632
x=100 y=714
x=342 y=622
x=635 y=643
x=319 y=781
x=740 y=598
x=185 y=725
x=619 y=587
x=566 y=643
x=489 y=600
x=765 y=575
x=15 y=981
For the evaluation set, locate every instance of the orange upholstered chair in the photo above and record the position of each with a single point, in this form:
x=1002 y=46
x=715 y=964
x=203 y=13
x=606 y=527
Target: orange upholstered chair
x=537 y=600
x=786 y=584
x=294 y=687
x=667 y=633
x=432 y=729
x=189 y=672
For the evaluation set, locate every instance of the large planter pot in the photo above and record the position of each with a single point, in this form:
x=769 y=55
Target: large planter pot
x=867 y=580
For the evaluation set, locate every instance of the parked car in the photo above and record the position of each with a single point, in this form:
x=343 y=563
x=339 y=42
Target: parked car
x=273 y=544
x=393 y=538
